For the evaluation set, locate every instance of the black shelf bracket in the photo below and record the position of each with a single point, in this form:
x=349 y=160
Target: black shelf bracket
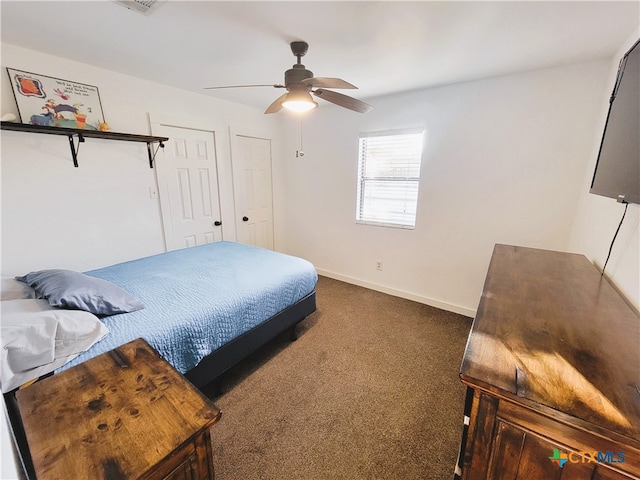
x=74 y=149
x=82 y=134
x=152 y=154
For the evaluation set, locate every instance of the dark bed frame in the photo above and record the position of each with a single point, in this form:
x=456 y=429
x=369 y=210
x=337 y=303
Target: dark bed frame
x=215 y=364
x=207 y=371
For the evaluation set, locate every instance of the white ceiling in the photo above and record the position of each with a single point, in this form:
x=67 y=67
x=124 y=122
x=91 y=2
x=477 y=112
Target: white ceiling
x=382 y=47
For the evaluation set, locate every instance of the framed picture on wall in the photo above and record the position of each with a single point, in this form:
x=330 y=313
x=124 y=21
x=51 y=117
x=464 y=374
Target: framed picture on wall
x=55 y=102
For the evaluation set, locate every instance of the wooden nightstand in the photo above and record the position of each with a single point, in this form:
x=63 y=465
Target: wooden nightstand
x=126 y=414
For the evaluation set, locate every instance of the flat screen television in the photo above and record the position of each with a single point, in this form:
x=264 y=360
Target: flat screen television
x=617 y=172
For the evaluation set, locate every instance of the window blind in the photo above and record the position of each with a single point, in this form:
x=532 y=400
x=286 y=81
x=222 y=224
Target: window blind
x=389 y=177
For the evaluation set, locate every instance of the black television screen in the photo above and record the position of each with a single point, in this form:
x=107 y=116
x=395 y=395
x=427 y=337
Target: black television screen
x=617 y=173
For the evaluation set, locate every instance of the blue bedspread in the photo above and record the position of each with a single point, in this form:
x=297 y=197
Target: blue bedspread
x=199 y=298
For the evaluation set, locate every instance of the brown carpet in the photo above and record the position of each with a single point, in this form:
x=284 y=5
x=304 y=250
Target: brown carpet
x=369 y=390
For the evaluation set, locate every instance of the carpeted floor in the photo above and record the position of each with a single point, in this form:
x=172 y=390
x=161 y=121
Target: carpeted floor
x=369 y=390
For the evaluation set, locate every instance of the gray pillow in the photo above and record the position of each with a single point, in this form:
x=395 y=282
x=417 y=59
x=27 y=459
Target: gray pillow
x=74 y=290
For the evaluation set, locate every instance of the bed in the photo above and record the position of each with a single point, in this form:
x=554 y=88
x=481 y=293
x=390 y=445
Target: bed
x=203 y=308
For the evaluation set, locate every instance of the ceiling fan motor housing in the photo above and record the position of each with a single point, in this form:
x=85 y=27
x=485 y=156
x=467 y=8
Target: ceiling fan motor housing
x=294 y=77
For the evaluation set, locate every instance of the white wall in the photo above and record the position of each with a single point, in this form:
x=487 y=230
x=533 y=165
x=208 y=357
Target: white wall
x=55 y=215
x=504 y=163
x=597 y=217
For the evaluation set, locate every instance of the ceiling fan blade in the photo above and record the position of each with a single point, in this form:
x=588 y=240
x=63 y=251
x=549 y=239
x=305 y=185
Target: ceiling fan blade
x=276 y=106
x=244 y=86
x=327 y=82
x=343 y=100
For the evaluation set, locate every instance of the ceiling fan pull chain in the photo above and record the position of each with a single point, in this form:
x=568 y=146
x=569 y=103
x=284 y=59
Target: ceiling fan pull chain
x=300 y=152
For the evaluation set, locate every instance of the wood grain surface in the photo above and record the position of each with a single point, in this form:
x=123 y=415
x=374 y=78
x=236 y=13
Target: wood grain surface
x=123 y=414
x=552 y=330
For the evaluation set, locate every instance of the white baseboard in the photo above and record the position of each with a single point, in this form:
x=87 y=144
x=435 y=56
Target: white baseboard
x=467 y=312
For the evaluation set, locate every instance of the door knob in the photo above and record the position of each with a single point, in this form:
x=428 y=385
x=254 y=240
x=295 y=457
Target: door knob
x=245 y=219
x=217 y=223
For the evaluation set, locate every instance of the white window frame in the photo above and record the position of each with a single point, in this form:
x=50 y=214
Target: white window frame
x=411 y=183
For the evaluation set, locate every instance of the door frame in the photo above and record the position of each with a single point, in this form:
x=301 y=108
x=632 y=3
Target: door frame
x=223 y=157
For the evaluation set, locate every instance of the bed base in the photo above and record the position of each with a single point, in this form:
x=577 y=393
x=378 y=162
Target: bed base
x=207 y=371
x=225 y=357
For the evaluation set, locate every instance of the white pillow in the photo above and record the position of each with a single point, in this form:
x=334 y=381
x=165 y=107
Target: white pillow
x=12 y=289
x=37 y=338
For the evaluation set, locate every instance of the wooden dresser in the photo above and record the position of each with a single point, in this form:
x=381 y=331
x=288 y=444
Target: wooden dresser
x=126 y=414
x=552 y=369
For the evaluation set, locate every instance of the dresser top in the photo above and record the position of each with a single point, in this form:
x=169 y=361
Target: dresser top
x=551 y=329
x=114 y=416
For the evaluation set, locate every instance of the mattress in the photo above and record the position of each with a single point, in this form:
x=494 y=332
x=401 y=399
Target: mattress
x=199 y=298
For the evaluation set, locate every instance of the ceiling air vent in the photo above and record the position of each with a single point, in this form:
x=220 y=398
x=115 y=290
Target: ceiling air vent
x=141 y=6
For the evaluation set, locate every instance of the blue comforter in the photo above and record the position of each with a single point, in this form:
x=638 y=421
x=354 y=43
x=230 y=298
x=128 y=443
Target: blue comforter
x=199 y=298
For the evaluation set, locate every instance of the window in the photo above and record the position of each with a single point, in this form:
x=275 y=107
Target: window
x=388 y=177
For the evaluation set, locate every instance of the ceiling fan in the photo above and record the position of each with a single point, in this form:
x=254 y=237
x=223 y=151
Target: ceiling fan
x=300 y=84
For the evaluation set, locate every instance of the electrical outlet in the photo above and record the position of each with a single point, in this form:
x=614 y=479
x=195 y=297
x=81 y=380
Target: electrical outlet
x=378 y=265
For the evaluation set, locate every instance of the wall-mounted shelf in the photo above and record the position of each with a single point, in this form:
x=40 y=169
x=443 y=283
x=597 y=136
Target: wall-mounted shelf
x=82 y=134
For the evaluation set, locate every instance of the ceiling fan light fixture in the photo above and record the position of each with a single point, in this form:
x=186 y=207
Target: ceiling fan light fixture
x=299 y=101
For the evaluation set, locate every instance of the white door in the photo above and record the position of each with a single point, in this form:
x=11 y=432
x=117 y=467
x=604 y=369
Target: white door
x=253 y=194
x=186 y=170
